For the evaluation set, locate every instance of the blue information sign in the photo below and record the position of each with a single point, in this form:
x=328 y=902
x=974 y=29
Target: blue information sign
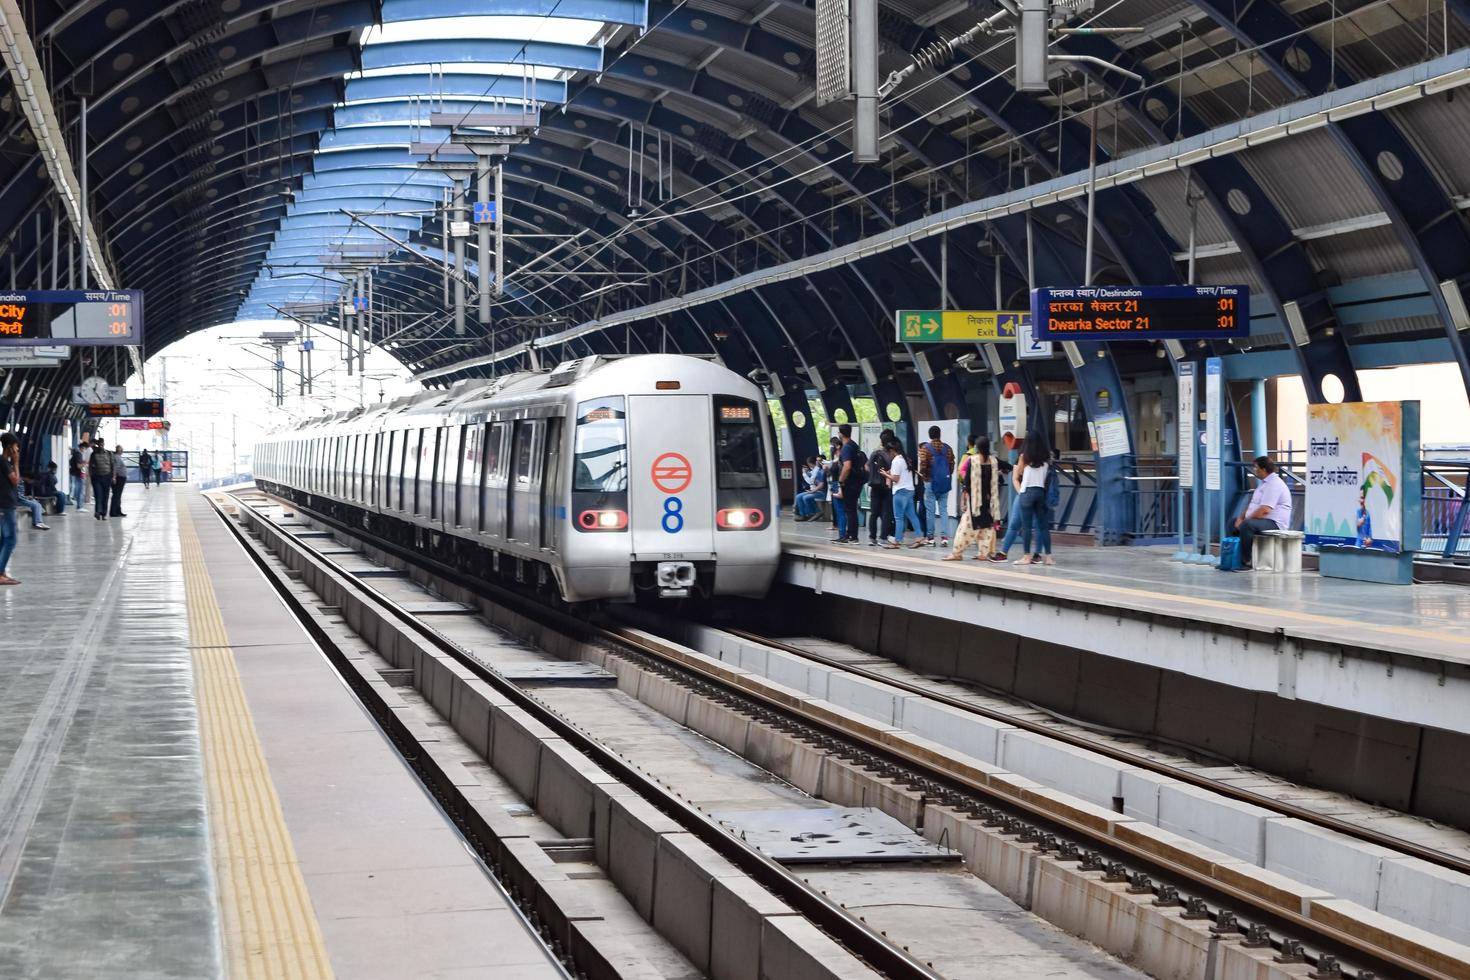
x=484 y=212
x=1141 y=312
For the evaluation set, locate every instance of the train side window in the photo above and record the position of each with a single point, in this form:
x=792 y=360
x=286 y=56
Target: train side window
x=490 y=470
x=601 y=451
x=740 y=452
x=524 y=445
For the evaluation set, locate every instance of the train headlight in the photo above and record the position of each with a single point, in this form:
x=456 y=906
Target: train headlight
x=602 y=520
x=740 y=519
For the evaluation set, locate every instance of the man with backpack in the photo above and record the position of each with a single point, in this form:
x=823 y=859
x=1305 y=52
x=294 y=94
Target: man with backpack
x=100 y=468
x=936 y=470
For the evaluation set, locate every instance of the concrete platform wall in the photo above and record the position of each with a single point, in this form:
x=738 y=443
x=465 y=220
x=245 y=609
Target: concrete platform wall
x=1372 y=877
x=1399 y=765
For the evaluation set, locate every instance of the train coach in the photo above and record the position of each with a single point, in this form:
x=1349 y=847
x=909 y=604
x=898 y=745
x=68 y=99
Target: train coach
x=604 y=479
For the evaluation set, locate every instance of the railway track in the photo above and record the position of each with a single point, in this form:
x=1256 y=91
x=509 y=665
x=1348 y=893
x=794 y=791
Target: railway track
x=1138 y=760
x=1068 y=836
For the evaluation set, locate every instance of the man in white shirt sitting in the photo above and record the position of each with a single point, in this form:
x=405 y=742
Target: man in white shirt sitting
x=1269 y=510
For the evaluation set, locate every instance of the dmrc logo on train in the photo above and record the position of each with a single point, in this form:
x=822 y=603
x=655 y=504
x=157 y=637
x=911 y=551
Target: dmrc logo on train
x=672 y=474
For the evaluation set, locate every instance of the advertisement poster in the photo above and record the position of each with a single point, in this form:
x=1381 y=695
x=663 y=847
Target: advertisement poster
x=1187 y=412
x=1354 y=455
x=1214 y=420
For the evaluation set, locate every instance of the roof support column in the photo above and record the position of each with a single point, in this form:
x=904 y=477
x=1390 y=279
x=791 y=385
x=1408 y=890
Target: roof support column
x=459 y=298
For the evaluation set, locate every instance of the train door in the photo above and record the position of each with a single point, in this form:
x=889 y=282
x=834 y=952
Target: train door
x=553 y=512
x=466 y=486
x=492 y=479
x=671 y=476
x=522 y=496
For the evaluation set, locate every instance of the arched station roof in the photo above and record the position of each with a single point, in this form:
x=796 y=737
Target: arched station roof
x=236 y=146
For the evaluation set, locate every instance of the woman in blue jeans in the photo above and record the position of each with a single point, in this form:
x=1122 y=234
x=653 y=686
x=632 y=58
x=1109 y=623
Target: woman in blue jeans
x=900 y=474
x=1029 y=514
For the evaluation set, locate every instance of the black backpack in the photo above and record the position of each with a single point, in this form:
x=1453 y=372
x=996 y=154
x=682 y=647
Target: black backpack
x=877 y=463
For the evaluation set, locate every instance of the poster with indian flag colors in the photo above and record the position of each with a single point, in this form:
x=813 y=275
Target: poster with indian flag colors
x=1355 y=453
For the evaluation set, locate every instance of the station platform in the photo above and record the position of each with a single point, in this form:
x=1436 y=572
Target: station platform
x=1226 y=661
x=190 y=791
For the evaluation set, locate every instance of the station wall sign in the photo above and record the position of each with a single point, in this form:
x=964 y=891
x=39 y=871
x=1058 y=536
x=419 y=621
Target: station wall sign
x=1141 y=312
x=957 y=326
x=52 y=317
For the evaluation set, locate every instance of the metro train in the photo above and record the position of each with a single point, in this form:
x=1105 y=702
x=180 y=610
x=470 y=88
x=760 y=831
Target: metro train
x=607 y=479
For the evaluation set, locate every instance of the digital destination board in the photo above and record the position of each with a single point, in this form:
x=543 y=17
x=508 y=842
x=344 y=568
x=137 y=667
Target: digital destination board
x=132 y=408
x=1141 y=312
x=50 y=317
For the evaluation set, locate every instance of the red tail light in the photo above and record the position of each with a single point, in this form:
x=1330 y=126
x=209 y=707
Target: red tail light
x=740 y=519
x=603 y=520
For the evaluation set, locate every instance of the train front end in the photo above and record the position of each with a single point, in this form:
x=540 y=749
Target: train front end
x=677 y=466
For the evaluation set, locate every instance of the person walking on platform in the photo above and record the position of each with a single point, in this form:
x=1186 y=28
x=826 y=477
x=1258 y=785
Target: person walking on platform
x=979 y=502
x=9 y=483
x=119 y=480
x=850 y=462
x=99 y=468
x=145 y=468
x=165 y=471
x=936 y=470
x=1269 y=509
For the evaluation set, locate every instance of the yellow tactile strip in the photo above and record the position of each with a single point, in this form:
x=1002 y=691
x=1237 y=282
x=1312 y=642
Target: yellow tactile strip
x=268 y=925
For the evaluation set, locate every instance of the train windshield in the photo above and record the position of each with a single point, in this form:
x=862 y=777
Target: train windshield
x=739 y=450
x=601 y=463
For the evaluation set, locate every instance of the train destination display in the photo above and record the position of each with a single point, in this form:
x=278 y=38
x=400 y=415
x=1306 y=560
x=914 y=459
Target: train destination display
x=1141 y=312
x=51 y=317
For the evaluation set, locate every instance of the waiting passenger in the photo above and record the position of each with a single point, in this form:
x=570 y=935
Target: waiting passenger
x=880 y=496
x=936 y=470
x=119 y=480
x=88 y=447
x=76 y=471
x=809 y=501
x=850 y=459
x=980 y=502
x=46 y=486
x=900 y=475
x=839 y=519
x=1016 y=525
x=1030 y=478
x=1269 y=509
x=99 y=468
x=9 y=482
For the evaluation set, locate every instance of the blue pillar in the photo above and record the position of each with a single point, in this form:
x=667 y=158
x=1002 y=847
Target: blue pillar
x=1258 y=417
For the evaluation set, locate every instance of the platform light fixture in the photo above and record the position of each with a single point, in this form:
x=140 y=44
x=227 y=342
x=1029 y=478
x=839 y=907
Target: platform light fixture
x=1454 y=300
x=1296 y=323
